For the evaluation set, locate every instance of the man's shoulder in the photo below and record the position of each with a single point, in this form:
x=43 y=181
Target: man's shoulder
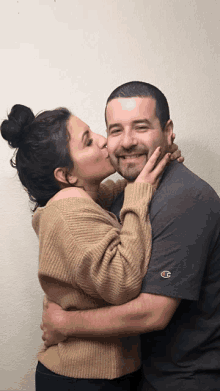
x=185 y=220
x=179 y=177
x=180 y=186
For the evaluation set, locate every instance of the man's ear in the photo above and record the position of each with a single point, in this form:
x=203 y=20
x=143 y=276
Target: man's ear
x=168 y=130
x=61 y=175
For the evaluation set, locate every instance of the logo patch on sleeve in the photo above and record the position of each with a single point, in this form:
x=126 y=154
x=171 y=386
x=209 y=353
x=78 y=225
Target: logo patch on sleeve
x=165 y=274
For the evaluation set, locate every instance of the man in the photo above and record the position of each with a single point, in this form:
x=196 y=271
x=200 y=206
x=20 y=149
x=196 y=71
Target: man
x=179 y=305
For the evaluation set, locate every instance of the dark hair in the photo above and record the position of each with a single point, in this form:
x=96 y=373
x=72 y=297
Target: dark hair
x=141 y=89
x=41 y=144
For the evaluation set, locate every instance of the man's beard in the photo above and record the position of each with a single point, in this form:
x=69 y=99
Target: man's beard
x=129 y=177
x=129 y=172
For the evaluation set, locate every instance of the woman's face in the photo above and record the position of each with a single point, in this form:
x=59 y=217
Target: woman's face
x=88 y=150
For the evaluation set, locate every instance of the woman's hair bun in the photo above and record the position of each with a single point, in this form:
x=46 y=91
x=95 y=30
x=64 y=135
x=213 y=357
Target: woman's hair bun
x=13 y=128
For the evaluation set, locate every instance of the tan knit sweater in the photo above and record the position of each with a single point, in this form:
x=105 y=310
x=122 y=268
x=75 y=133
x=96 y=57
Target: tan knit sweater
x=87 y=260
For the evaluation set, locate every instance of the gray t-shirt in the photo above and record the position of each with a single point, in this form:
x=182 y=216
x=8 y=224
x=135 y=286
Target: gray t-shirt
x=185 y=263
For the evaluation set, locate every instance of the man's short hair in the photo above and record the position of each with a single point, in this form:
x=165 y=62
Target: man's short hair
x=141 y=89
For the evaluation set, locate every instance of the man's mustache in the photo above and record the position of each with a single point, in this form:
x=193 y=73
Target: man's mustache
x=131 y=151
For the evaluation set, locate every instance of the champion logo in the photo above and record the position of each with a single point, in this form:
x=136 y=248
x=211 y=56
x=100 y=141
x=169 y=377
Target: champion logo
x=165 y=274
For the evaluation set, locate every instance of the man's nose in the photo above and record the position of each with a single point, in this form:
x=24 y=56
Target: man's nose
x=128 y=140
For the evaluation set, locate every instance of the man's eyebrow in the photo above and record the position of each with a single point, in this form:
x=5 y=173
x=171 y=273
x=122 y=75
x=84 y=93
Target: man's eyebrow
x=135 y=122
x=141 y=121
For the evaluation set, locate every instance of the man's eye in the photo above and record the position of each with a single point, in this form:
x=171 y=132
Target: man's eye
x=89 y=142
x=115 y=131
x=142 y=128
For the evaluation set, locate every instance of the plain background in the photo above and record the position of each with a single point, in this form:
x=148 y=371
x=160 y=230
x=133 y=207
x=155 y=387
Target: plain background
x=74 y=53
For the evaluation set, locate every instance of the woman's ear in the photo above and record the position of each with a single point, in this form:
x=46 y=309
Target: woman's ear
x=63 y=177
x=168 y=130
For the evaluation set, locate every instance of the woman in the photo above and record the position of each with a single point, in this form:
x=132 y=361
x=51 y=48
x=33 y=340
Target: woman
x=87 y=260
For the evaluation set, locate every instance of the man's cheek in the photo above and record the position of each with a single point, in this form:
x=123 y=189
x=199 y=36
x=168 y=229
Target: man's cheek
x=114 y=161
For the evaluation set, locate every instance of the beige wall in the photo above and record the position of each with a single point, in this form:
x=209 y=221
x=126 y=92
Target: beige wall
x=74 y=53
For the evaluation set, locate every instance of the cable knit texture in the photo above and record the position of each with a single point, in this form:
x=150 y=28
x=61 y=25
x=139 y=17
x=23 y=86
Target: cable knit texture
x=88 y=260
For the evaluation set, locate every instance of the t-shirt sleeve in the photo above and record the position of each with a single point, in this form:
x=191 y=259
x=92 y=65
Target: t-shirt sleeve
x=181 y=239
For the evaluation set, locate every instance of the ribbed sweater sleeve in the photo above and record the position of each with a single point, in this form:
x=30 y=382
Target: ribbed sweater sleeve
x=108 y=191
x=81 y=244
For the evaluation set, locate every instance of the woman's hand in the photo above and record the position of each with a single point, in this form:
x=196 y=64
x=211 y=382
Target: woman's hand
x=175 y=151
x=53 y=324
x=153 y=170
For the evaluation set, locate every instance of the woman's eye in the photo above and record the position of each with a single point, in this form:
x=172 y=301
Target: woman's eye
x=89 y=142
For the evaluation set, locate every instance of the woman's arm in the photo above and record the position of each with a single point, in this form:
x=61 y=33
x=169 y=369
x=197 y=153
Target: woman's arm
x=89 y=247
x=85 y=243
x=108 y=191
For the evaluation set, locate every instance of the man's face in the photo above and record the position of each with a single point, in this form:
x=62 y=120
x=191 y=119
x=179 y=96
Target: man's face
x=134 y=132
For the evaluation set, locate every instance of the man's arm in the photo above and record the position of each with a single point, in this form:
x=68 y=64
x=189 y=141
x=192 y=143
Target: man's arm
x=146 y=313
